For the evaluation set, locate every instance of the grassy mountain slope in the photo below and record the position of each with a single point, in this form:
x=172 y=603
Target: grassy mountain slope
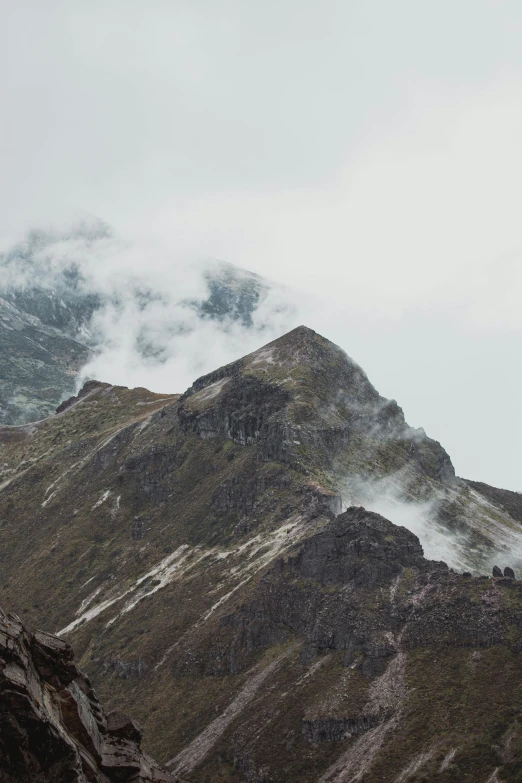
x=190 y=548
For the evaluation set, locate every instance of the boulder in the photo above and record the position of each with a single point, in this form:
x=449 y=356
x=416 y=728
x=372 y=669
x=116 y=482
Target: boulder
x=120 y=725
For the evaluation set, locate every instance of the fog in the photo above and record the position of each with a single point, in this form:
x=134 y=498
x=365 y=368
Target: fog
x=366 y=155
x=457 y=546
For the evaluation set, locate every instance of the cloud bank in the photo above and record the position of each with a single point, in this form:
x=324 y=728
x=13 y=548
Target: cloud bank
x=365 y=153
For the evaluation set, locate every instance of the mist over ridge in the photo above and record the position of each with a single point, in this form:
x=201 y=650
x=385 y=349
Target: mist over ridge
x=136 y=313
x=136 y=316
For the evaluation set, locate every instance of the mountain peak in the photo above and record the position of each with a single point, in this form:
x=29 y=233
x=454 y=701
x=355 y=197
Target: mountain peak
x=303 y=340
x=300 y=336
x=306 y=403
x=290 y=361
x=183 y=541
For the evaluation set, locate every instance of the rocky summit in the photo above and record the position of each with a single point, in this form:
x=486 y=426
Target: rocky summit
x=223 y=566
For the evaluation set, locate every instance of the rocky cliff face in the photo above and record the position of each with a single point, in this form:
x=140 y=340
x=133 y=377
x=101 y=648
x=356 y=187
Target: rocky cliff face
x=388 y=666
x=52 y=726
x=191 y=548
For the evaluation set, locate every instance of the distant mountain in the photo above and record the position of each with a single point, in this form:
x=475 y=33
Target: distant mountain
x=50 y=302
x=38 y=363
x=209 y=556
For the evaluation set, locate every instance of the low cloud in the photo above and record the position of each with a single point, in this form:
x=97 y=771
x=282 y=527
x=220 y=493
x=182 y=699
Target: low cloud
x=446 y=374
x=454 y=542
x=151 y=317
x=166 y=344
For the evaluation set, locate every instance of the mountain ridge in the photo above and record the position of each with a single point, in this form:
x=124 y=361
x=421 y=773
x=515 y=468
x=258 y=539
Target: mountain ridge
x=192 y=549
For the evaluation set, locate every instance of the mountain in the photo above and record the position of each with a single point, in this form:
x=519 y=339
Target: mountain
x=222 y=564
x=52 y=309
x=38 y=363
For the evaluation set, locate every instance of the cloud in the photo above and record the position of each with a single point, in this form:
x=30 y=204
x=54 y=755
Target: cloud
x=151 y=316
x=166 y=344
x=365 y=153
x=459 y=547
x=427 y=215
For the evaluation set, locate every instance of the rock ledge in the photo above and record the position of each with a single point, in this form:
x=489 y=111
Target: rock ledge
x=52 y=726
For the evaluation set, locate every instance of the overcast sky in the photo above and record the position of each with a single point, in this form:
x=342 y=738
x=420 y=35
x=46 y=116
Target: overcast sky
x=369 y=152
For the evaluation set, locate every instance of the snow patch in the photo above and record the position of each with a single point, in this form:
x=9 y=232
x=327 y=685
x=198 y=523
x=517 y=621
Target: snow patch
x=414 y=766
x=90 y=614
x=144 y=423
x=267 y=547
x=168 y=570
x=155 y=402
x=265 y=355
x=56 y=483
x=446 y=761
x=163 y=570
x=86 y=601
x=51 y=496
x=102 y=499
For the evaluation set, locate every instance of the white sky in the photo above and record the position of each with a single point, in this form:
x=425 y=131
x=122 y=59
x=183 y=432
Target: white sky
x=369 y=152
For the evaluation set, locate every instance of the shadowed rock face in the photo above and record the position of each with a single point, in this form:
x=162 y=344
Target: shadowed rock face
x=246 y=411
x=380 y=660
x=360 y=547
x=52 y=726
x=344 y=589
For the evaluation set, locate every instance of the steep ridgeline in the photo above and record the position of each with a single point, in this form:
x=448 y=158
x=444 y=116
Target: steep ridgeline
x=52 y=726
x=49 y=307
x=191 y=549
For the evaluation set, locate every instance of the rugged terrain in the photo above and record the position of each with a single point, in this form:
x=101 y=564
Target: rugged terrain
x=191 y=548
x=52 y=726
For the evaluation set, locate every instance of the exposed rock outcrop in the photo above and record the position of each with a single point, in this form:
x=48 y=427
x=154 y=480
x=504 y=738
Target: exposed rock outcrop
x=396 y=644
x=359 y=547
x=52 y=727
x=356 y=587
x=242 y=408
x=87 y=388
